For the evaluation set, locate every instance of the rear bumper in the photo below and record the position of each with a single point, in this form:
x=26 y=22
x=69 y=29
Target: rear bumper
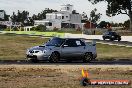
x=94 y=56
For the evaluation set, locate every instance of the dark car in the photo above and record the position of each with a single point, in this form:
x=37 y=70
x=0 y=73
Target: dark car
x=111 y=36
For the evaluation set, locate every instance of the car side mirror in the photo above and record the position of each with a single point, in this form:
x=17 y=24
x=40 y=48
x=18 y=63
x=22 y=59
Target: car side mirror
x=65 y=46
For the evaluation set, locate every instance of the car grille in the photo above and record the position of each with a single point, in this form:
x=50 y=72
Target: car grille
x=36 y=51
x=28 y=56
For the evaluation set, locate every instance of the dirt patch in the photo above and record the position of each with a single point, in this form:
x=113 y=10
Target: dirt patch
x=59 y=76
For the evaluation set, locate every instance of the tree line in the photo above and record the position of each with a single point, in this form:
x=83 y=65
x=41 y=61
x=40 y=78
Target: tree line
x=114 y=7
x=25 y=19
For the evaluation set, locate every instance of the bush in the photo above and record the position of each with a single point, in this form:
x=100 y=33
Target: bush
x=39 y=28
x=7 y=29
x=55 y=29
x=33 y=28
x=13 y=29
x=78 y=29
x=22 y=29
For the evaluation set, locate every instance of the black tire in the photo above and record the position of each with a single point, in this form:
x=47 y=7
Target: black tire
x=119 y=39
x=54 y=58
x=87 y=57
x=103 y=38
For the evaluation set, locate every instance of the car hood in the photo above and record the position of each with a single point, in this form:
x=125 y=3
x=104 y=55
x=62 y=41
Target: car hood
x=41 y=47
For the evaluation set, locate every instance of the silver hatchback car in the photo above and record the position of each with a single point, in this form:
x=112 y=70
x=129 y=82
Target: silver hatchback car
x=62 y=48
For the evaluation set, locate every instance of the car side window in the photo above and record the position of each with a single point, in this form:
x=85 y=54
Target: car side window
x=108 y=33
x=80 y=43
x=70 y=43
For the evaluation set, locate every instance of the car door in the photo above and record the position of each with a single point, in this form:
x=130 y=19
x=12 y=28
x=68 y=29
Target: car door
x=80 y=50
x=69 y=48
x=107 y=35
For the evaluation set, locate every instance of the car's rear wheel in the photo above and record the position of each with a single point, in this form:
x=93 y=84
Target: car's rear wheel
x=87 y=57
x=54 y=58
x=119 y=39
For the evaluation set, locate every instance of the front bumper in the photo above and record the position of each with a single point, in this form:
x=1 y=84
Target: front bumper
x=38 y=57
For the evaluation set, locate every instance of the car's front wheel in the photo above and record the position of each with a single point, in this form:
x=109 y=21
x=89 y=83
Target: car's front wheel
x=87 y=57
x=111 y=39
x=103 y=38
x=54 y=58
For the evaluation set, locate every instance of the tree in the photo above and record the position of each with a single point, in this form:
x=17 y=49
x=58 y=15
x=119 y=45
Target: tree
x=42 y=15
x=104 y=24
x=127 y=23
x=22 y=17
x=117 y=24
x=74 y=12
x=94 y=17
x=116 y=7
x=40 y=28
x=84 y=17
x=6 y=17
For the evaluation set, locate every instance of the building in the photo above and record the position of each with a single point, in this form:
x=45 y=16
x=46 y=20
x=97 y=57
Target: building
x=89 y=25
x=65 y=18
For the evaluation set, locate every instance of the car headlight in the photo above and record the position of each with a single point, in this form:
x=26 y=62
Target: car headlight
x=39 y=52
x=44 y=51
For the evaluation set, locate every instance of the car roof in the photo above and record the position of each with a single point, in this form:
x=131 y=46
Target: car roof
x=110 y=32
x=67 y=38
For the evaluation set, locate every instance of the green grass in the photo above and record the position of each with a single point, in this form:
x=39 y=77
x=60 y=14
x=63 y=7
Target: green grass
x=13 y=47
x=57 y=34
x=111 y=52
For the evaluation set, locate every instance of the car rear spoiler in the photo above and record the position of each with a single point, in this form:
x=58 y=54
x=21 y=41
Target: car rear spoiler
x=92 y=42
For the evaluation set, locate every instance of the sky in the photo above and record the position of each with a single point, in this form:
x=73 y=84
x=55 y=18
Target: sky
x=36 y=6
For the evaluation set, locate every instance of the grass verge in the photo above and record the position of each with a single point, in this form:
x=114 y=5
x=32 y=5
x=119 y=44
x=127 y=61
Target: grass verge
x=113 y=52
x=57 y=34
x=13 y=47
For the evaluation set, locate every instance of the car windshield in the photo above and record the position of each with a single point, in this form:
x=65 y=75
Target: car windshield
x=113 y=33
x=55 y=42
